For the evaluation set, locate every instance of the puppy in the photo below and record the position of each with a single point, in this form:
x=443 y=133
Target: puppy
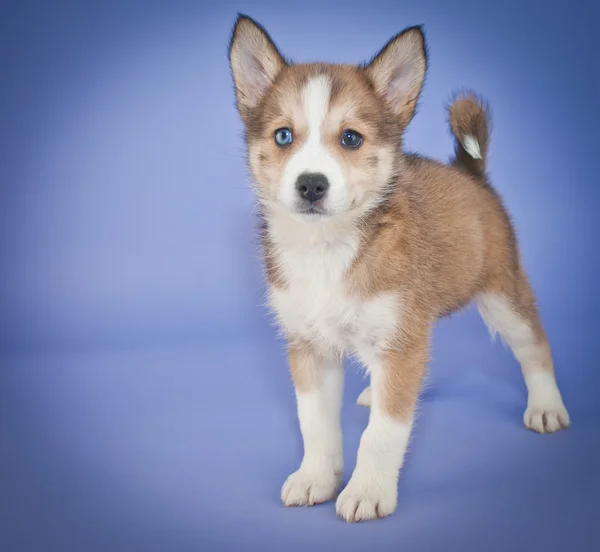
x=366 y=246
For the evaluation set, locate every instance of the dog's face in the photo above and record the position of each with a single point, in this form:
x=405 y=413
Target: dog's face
x=324 y=140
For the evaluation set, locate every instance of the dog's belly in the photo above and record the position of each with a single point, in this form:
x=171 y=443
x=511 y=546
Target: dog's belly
x=325 y=316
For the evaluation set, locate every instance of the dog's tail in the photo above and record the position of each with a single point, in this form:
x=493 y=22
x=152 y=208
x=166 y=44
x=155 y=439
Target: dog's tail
x=470 y=123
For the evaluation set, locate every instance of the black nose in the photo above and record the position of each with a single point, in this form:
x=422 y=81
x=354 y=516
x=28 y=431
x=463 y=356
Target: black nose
x=312 y=186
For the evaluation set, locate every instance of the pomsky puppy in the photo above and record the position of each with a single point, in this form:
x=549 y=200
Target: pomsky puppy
x=365 y=246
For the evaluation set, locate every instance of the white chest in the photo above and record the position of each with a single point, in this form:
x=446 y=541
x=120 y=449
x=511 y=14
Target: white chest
x=315 y=305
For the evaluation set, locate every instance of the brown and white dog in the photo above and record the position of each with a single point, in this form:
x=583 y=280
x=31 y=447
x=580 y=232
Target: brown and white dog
x=366 y=246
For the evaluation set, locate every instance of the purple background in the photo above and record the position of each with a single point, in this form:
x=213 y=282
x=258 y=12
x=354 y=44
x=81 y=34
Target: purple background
x=145 y=403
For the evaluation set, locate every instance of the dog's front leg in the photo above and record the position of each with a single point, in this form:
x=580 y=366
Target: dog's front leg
x=396 y=377
x=319 y=382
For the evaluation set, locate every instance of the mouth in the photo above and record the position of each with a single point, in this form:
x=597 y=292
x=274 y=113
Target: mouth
x=311 y=210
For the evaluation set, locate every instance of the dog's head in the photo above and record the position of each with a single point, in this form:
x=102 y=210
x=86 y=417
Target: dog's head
x=324 y=139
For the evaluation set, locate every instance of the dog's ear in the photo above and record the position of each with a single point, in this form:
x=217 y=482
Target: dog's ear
x=255 y=62
x=398 y=71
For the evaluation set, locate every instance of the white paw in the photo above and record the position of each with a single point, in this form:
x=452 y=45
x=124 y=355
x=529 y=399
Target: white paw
x=360 y=501
x=546 y=418
x=304 y=488
x=546 y=412
x=364 y=399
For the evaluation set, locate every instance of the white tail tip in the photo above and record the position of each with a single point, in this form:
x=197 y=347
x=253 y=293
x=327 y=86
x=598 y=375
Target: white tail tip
x=471 y=146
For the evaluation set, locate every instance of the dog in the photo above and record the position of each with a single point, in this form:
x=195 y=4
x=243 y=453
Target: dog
x=366 y=246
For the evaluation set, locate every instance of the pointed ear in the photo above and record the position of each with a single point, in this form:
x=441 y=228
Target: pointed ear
x=398 y=71
x=255 y=62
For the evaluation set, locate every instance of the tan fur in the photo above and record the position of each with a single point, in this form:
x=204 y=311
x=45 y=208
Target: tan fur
x=442 y=235
x=304 y=366
x=438 y=234
x=352 y=105
x=445 y=237
x=403 y=369
x=403 y=241
x=469 y=115
x=401 y=50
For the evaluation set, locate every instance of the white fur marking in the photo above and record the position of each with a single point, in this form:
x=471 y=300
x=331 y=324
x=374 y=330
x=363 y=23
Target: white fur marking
x=314 y=305
x=318 y=477
x=373 y=488
x=471 y=146
x=321 y=313
x=546 y=411
x=313 y=157
x=500 y=317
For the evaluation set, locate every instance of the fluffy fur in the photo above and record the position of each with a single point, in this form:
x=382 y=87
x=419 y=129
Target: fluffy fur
x=397 y=242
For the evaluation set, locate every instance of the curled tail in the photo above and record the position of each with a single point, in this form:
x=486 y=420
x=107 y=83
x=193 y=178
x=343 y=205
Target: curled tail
x=469 y=120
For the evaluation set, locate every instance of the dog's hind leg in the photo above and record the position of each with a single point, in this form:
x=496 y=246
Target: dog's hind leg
x=509 y=309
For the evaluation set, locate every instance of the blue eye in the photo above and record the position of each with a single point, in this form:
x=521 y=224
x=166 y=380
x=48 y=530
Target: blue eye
x=283 y=137
x=351 y=139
